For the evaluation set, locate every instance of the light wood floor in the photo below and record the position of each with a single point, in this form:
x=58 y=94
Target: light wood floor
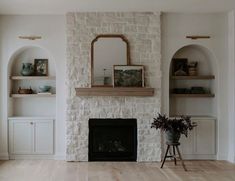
x=50 y=170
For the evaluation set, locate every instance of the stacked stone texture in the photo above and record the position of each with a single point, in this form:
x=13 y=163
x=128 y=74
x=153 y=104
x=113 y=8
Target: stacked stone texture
x=143 y=33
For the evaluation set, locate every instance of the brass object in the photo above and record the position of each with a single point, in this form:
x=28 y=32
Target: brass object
x=195 y=37
x=30 y=37
x=25 y=91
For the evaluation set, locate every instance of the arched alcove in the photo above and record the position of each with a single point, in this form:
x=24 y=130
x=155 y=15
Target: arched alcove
x=184 y=101
x=35 y=105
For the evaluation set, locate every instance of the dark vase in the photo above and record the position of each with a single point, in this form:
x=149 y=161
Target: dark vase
x=172 y=136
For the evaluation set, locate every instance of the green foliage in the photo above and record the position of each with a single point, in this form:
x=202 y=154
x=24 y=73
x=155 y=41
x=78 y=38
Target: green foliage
x=181 y=125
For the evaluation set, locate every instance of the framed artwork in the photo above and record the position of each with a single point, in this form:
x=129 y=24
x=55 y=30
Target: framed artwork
x=128 y=76
x=41 y=67
x=180 y=66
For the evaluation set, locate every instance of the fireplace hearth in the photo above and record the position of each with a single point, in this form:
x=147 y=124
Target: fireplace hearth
x=112 y=140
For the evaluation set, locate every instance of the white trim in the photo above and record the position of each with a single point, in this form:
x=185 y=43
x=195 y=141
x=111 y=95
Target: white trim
x=199 y=157
x=32 y=157
x=4 y=156
x=60 y=157
x=27 y=118
x=222 y=157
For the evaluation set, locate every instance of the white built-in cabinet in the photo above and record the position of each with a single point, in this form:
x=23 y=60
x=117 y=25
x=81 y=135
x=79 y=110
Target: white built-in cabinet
x=31 y=136
x=31 y=116
x=201 y=141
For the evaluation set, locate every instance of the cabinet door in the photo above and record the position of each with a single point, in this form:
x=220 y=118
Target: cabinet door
x=187 y=143
x=205 y=137
x=43 y=137
x=20 y=136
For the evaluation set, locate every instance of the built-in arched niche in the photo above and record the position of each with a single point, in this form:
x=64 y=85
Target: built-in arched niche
x=182 y=100
x=30 y=105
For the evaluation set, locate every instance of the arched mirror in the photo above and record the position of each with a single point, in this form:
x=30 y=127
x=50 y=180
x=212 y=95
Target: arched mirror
x=107 y=50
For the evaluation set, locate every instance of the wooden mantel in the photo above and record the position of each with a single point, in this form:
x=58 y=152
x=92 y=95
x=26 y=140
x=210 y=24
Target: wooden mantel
x=113 y=91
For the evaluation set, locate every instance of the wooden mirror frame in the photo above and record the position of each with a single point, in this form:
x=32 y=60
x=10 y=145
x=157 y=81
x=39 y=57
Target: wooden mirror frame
x=92 y=53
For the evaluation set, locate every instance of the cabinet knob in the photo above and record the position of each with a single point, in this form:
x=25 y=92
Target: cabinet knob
x=31 y=123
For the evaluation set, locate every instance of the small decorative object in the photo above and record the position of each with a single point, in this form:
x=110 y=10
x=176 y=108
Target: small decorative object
x=128 y=75
x=41 y=67
x=198 y=90
x=27 y=69
x=45 y=88
x=173 y=127
x=192 y=68
x=107 y=80
x=25 y=91
x=180 y=90
x=180 y=66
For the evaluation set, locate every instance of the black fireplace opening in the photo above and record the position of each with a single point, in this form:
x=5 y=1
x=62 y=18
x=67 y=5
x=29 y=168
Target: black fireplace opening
x=112 y=140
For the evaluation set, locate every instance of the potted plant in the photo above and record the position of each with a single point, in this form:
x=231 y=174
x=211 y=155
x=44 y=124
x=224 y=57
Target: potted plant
x=173 y=127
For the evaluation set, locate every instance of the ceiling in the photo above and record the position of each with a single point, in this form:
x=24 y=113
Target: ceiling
x=63 y=6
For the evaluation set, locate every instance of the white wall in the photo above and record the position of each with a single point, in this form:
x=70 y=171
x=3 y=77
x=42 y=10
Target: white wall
x=231 y=88
x=53 y=32
x=175 y=27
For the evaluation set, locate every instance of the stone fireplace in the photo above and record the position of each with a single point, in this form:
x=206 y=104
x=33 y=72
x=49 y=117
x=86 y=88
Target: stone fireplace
x=143 y=32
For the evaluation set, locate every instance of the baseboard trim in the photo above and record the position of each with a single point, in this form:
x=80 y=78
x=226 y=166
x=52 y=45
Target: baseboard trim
x=199 y=157
x=222 y=157
x=4 y=156
x=60 y=157
x=31 y=157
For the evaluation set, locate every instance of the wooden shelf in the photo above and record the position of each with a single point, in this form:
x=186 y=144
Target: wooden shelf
x=32 y=77
x=192 y=95
x=31 y=95
x=111 y=91
x=199 y=77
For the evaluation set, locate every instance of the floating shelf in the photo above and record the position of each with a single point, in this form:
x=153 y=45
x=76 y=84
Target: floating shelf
x=111 y=91
x=32 y=78
x=192 y=95
x=199 y=77
x=31 y=95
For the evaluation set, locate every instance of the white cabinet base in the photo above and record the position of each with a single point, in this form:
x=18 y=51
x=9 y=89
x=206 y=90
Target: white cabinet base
x=31 y=138
x=201 y=141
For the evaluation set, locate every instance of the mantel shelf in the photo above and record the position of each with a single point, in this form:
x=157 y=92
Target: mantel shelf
x=32 y=78
x=198 y=77
x=113 y=91
x=193 y=95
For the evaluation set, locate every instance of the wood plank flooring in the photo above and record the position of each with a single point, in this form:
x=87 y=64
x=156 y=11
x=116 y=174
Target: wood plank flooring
x=51 y=170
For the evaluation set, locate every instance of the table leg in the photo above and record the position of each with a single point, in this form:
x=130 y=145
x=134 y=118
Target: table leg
x=165 y=156
x=174 y=154
x=181 y=158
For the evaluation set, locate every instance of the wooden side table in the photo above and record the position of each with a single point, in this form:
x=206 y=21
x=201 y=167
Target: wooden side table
x=175 y=148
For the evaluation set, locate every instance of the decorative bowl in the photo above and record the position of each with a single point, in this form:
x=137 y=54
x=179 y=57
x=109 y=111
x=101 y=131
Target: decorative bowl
x=44 y=88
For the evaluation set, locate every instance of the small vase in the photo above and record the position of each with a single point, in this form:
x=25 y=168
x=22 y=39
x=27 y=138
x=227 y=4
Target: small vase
x=172 y=136
x=27 y=69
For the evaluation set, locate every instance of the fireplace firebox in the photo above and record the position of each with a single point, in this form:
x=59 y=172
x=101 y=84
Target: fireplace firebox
x=112 y=139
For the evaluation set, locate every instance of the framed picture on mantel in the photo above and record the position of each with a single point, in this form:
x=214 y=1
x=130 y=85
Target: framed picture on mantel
x=128 y=75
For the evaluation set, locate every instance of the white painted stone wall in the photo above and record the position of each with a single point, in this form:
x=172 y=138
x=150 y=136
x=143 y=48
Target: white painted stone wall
x=143 y=32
